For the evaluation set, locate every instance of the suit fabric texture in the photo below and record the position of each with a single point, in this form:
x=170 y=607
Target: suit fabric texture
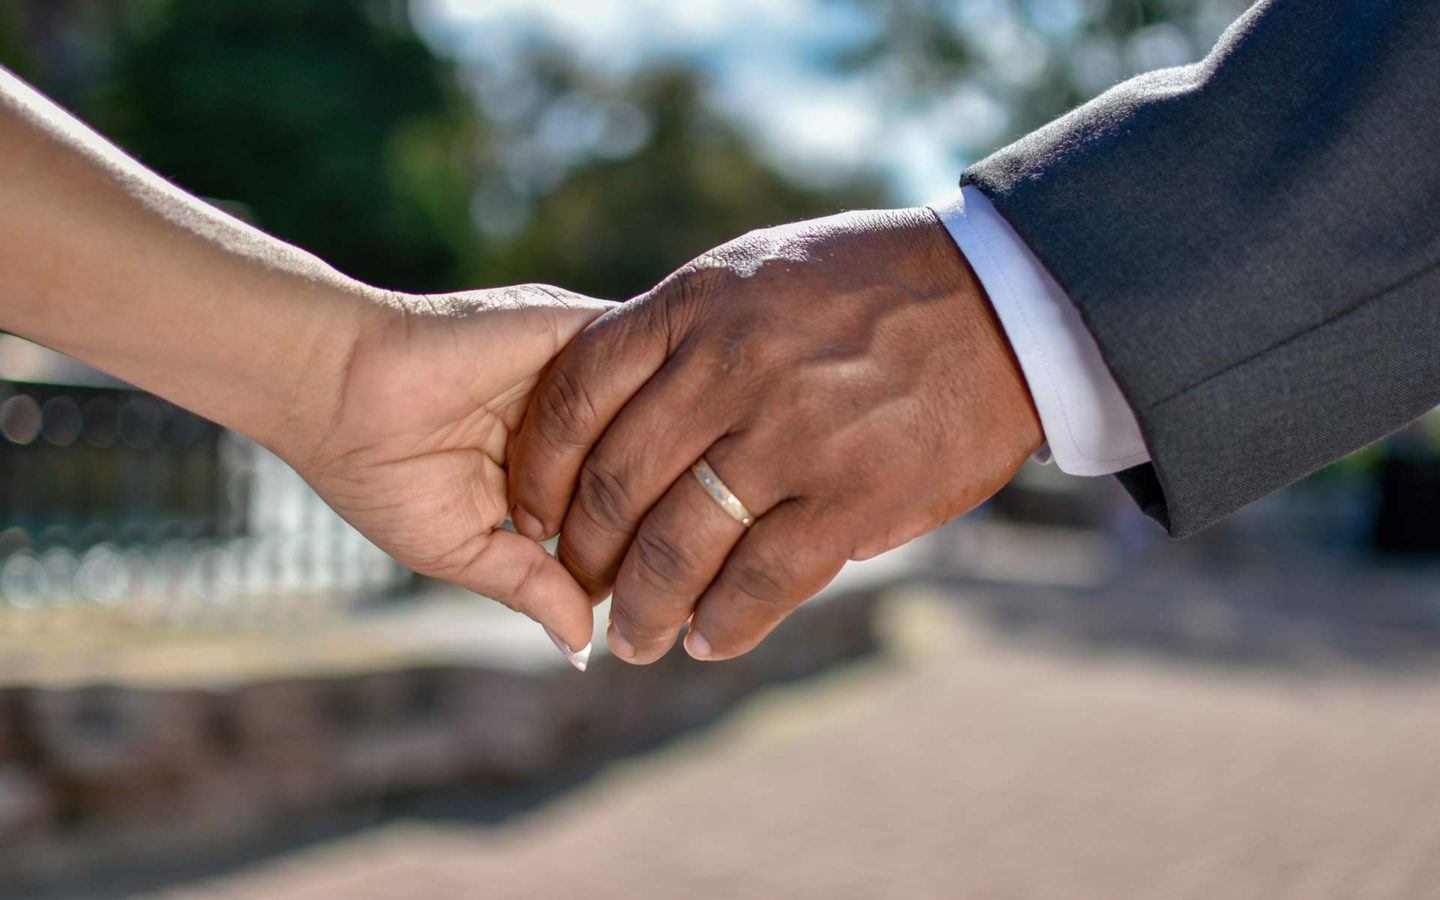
x=1254 y=242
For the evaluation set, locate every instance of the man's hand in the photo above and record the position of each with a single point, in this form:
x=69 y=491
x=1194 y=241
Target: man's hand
x=845 y=377
x=414 y=459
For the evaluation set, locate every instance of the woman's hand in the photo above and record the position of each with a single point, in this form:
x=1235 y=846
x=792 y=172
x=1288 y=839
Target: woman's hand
x=397 y=409
x=414 y=458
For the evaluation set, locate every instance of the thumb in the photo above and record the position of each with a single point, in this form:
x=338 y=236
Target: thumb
x=560 y=312
x=517 y=572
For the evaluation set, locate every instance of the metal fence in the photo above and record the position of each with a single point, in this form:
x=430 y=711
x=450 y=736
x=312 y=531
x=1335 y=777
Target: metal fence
x=114 y=500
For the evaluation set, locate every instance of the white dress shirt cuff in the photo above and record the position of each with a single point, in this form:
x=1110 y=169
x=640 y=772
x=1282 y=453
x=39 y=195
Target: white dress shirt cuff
x=1089 y=428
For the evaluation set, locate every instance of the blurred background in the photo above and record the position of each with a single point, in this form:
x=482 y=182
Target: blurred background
x=210 y=686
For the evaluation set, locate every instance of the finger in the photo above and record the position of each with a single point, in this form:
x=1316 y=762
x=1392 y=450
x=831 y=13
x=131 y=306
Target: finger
x=651 y=444
x=518 y=572
x=583 y=390
x=679 y=548
x=783 y=560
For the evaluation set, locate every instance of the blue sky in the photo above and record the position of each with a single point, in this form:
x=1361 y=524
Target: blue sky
x=764 y=61
x=763 y=57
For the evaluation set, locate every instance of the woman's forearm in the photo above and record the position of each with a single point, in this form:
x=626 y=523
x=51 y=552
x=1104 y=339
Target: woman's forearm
x=397 y=410
x=105 y=261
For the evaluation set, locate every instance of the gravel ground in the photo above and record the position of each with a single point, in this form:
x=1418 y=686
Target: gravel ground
x=963 y=764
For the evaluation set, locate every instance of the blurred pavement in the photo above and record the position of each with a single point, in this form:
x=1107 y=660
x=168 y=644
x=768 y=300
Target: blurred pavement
x=962 y=764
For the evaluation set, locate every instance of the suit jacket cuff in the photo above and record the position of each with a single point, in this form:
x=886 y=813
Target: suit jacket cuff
x=1089 y=427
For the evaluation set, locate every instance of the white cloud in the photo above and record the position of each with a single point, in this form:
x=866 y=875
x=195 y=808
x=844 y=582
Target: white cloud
x=760 y=55
x=614 y=30
x=803 y=119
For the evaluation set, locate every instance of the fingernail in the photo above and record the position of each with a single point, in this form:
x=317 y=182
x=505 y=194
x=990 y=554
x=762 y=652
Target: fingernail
x=527 y=524
x=697 y=646
x=577 y=658
x=618 y=645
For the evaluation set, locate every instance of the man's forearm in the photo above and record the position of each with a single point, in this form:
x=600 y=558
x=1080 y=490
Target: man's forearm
x=104 y=260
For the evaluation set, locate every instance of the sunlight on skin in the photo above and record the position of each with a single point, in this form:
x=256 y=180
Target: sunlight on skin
x=398 y=409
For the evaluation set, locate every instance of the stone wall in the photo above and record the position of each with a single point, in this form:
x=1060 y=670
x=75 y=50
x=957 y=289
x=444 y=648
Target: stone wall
x=94 y=773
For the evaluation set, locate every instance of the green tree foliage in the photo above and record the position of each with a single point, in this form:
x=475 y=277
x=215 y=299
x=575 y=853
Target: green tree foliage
x=1035 y=59
x=335 y=126
x=12 y=44
x=331 y=124
x=614 y=225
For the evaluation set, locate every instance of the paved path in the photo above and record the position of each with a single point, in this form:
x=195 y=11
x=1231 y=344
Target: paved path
x=965 y=765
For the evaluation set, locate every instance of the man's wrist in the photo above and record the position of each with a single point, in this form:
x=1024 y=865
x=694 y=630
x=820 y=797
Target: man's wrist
x=1015 y=407
x=1008 y=411
x=1089 y=425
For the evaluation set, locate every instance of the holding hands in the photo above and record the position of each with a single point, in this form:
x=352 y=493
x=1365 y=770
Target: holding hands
x=414 y=456
x=1221 y=318
x=840 y=386
x=844 y=379
x=713 y=451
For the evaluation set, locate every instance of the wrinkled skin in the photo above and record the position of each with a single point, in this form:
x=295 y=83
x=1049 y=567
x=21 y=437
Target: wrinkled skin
x=415 y=458
x=845 y=377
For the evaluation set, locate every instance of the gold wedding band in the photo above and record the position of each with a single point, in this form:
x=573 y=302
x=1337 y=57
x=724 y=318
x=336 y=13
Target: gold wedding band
x=720 y=493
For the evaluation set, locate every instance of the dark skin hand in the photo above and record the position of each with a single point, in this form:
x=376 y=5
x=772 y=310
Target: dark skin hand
x=845 y=377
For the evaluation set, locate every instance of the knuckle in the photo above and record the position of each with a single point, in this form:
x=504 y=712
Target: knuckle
x=564 y=410
x=633 y=620
x=602 y=497
x=519 y=593
x=588 y=573
x=452 y=562
x=696 y=281
x=660 y=561
x=760 y=582
x=549 y=291
x=701 y=281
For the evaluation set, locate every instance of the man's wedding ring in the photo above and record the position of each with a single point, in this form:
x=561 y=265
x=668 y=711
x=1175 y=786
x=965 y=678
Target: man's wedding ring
x=720 y=493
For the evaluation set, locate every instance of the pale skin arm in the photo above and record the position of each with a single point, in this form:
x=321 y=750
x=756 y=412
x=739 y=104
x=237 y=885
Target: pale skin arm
x=397 y=408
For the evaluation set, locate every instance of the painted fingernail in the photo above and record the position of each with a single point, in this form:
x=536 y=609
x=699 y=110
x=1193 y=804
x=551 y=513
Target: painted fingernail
x=618 y=645
x=527 y=524
x=697 y=646
x=577 y=658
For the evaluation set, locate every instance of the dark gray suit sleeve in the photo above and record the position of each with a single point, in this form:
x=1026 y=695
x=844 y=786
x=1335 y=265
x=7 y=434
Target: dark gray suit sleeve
x=1254 y=242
